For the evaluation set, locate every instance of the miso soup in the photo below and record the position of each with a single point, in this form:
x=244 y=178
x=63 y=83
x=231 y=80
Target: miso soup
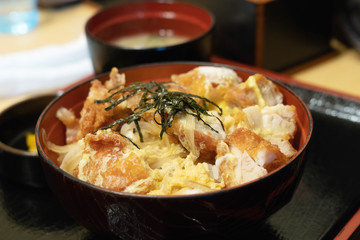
x=148 y=40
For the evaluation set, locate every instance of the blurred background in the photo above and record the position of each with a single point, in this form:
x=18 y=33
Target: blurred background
x=307 y=40
x=279 y=34
x=275 y=35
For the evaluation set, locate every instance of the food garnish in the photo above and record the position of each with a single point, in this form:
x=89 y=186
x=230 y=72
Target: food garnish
x=166 y=104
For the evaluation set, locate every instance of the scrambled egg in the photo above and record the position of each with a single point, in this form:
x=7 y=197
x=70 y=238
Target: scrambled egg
x=198 y=153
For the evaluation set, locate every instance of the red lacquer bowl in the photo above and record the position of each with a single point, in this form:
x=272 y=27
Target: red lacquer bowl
x=180 y=19
x=131 y=216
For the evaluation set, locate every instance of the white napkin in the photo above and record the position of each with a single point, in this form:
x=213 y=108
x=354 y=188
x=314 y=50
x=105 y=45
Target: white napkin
x=46 y=68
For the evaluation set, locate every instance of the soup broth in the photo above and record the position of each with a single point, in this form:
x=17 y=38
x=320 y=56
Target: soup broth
x=148 y=40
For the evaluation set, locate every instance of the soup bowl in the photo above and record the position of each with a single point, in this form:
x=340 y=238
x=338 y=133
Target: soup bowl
x=136 y=216
x=148 y=20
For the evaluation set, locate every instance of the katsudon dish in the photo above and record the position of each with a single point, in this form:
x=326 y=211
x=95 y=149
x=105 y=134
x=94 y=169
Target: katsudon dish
x=204 y=130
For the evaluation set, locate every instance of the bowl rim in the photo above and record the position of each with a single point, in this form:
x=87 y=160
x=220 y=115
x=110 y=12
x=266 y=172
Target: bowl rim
x=12 y=150
x=47 y=160
x=163 y=48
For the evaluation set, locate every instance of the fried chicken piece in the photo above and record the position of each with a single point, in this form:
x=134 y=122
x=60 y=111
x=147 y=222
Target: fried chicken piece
x=196 y=137
x=105 y=162
x=256 y=90
x=236 y=167
x=276 y=124
x=209 y=82
x=116 y=79
x=68 y=118
x=245 y=156
x=260 y=150
x=94 y=115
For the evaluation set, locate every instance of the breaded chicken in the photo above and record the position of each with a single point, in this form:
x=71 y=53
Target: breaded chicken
x=71 y=122
x=256 y=90
x=209 y=82
x=93 y=115
x=260 y=150
x=196 y=137
x=276 y=124
x=107 y=162
x=236 y=167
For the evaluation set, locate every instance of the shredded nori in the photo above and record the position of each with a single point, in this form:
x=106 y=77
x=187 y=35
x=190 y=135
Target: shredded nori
x=166 y=104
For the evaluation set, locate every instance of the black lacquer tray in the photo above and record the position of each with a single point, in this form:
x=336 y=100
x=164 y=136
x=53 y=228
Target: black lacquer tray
x=327 y=195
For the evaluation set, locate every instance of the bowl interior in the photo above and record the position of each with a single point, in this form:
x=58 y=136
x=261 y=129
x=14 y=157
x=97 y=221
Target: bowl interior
x=74 y=98
x=177 y=19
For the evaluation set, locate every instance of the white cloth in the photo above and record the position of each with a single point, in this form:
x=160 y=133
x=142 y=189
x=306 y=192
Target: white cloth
x=46 y=68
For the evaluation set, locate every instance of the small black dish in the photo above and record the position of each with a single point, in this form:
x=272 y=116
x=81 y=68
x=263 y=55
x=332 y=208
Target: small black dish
x=16 y=121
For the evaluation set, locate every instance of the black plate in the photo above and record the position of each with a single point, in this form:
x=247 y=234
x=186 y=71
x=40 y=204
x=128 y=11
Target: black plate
x=325 y=198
